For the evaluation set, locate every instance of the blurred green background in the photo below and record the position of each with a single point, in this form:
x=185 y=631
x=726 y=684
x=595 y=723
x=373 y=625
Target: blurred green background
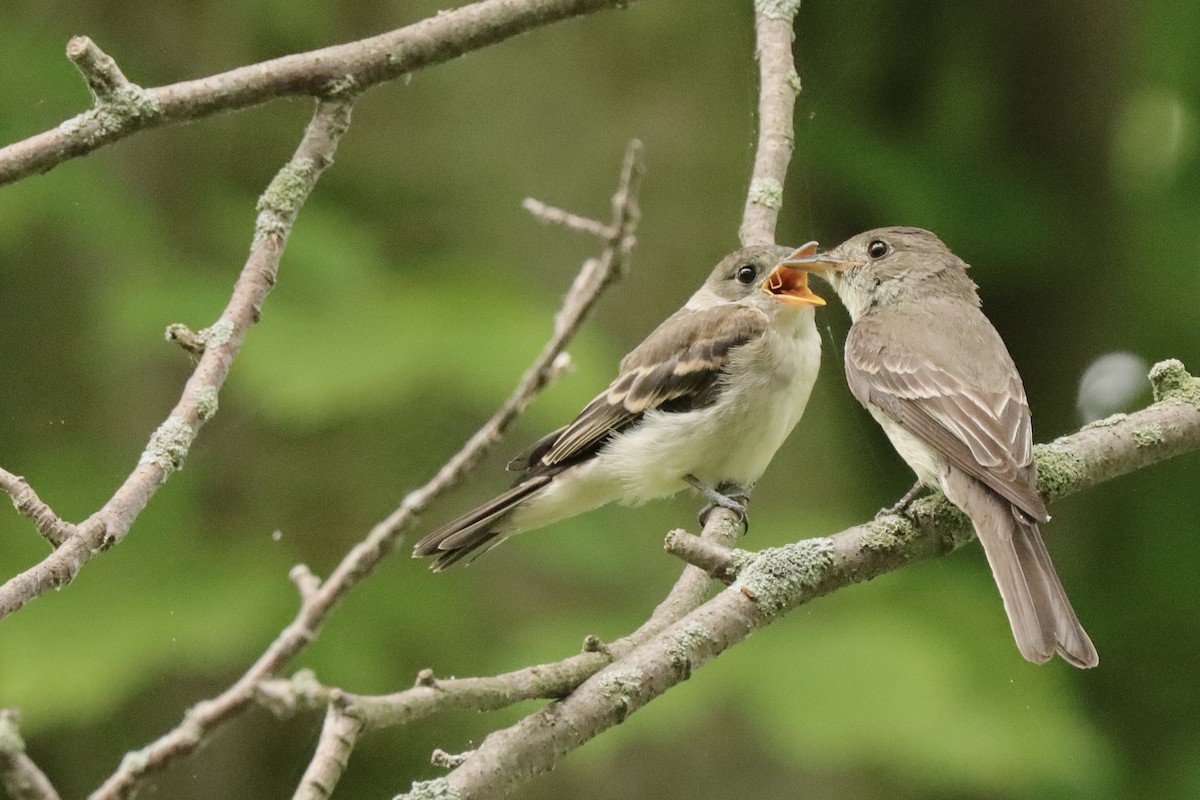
x=1053 y=146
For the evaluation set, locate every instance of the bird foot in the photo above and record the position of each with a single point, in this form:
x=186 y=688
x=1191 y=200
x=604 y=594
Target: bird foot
x=726 y=495
x=900 y=506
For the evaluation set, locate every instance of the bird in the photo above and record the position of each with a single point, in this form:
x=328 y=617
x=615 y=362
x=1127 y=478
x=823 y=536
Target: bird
x=704 y=401
x=923 y=359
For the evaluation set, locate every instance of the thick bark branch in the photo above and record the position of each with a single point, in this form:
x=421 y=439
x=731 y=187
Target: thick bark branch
x=123 y=108
x=772 y=582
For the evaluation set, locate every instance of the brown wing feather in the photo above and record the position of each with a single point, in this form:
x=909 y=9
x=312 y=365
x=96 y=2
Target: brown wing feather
x=932 y=380
x=676 y=368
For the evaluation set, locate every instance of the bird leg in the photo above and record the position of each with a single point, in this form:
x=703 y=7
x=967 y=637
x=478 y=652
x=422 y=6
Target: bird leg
x=902 y=504
x=726 y=495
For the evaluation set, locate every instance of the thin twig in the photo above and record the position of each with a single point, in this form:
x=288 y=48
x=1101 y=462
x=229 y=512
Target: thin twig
x=168 y=446
x=328 y=72
x=338 y=735
x=53 y=528
x=362 y=559
x=556 y=216
x=19 y=776
x=98 y=68
x=719 y=562
x=779 y=83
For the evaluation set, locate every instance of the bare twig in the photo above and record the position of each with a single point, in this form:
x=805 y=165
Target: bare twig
x=779 y=84
x=338 y=735
x=718 y=561
x=101 y=72
x=20 y=777
x=168 y=446
x=556 y=216
x=53 y=528
x=328 y=72
x=776 y=580
x=362 y=559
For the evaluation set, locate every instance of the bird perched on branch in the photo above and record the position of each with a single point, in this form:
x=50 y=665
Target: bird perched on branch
x=933 y=372
x=704 y=401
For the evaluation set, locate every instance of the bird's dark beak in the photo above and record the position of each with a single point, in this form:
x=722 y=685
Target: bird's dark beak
x=808 y=259
x=789 y=280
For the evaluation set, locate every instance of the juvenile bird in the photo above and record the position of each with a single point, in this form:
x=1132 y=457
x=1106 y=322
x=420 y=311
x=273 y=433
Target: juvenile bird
x=933 y=372
x=704 y=401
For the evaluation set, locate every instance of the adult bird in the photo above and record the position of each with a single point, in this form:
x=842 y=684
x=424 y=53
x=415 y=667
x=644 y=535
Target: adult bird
x=704 y=401
x=933 y=372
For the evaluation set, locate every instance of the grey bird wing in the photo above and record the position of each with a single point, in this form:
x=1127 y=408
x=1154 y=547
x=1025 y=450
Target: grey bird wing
x=677 y=368
x=972 y=410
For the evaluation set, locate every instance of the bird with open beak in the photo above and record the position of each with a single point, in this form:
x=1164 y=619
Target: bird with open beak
x=704 y=401
x=933 y=372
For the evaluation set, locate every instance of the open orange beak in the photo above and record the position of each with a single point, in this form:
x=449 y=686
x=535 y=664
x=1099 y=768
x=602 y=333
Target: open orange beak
x=789 y=280
x=790 y=283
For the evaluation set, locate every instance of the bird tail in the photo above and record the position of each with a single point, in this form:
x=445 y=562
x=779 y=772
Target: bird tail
x=475 y=530
x=1039 y=612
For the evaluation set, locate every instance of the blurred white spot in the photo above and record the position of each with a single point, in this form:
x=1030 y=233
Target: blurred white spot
x=1151 y=139
x=1109 y=384
x=277 y=536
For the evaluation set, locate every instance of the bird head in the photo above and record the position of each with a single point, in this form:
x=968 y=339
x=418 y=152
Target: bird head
x=885 y=266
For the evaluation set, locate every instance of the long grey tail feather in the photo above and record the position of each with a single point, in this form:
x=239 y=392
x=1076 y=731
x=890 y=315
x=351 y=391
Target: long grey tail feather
x=1039 y=611
x=476 y=529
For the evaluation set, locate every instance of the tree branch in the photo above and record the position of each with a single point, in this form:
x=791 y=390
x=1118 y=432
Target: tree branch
x=319 y=599
x=53 y=528
x=168 y=446
x=20 y=777
x=772 y=582
x=123 y=108
x=779 y=84
x=338 y=735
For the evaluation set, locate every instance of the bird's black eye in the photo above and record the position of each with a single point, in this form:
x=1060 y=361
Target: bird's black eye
x=878 y=248
x=747 y=273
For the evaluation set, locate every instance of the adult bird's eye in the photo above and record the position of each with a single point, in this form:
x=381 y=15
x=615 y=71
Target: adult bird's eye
x=747 y=273
x=878 y=249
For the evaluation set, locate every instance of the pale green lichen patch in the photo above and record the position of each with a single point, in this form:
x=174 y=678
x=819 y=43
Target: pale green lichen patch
x=1172 y=383
x=767 y=192
x=692 y=636
x=1058 y=469
x=739 y=560
x=1105 y=423
x=283 y=198
x=951 y=523
x=886 y=532
x=780 y=578
x=288 y=188
x=436 y=789
x=1148 y=435
x=217 y=334
x=128 y=106
x=206 y=402
x=343 y=86
x=777 y=9
x=621 y=684
x=169 y=445
x=793 y=80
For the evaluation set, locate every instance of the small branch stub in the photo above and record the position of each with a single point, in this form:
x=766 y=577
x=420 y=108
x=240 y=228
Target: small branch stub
x=104 y=78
